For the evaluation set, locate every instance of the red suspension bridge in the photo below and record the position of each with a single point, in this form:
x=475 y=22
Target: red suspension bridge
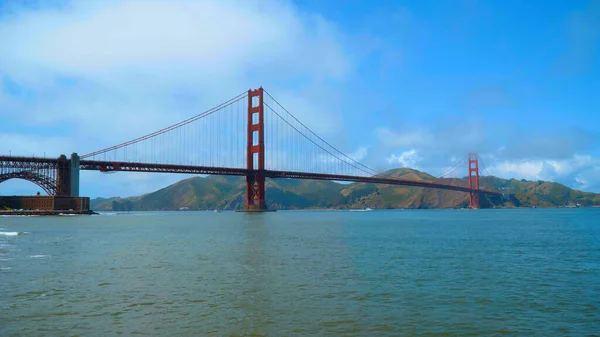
x=250 y=135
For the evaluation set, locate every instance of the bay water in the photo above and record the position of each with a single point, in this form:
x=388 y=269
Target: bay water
x=514 y=272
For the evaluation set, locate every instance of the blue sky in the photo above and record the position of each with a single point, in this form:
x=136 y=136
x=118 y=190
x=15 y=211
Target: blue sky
x=400 y=83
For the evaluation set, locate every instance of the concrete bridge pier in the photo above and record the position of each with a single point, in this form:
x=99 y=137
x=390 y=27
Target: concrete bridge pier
x=74 y=168
x=63 y=176
x=67 y=176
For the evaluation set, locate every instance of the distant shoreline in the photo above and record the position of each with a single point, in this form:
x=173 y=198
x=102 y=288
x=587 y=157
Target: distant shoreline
x=338 y=209
x=43 y=213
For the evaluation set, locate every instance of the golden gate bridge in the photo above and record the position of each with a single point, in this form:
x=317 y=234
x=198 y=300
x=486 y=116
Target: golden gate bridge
x=250 y=135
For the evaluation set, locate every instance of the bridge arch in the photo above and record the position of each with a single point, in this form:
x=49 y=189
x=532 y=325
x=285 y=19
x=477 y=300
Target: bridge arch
x=48 y=184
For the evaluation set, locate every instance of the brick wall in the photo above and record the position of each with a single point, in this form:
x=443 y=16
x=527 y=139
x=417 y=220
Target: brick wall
x=46 y=203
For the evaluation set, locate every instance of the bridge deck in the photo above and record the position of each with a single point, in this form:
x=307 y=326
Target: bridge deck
x=19 y=162
x=104 y=166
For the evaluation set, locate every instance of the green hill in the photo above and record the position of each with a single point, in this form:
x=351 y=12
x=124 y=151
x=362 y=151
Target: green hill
x=540 y=193
x=225 y=192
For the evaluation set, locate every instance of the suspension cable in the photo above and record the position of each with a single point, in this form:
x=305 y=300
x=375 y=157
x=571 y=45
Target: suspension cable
x=172 y=127
x=375 y=172
x=322 y=148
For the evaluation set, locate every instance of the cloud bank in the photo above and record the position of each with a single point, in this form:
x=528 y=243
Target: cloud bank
x=90 y=74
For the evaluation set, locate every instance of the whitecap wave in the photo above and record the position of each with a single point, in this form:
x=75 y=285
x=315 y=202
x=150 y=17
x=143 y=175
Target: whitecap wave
x=5 y=268
x=12 y=233
x=38 y=256
x=16 y=215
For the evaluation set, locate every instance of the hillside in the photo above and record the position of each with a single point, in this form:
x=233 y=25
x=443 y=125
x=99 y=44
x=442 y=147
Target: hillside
x=224 y=192
x=541 y=193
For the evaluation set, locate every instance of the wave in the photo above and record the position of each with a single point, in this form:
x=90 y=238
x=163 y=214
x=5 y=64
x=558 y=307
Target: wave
x=361 y=210
x=18 y=215
x=12 y=233
x=38 y=256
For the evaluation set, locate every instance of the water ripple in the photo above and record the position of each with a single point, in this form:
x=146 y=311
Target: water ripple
x=436 y=273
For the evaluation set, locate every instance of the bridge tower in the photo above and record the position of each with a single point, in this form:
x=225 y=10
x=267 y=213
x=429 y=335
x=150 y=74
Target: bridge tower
x=74 y=174
x=473 y=180
x=63 y=176
x=67 y=176
x=255 y=153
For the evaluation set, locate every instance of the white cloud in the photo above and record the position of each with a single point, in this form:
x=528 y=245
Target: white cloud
x=130 y=61
x=534 y=156
x=584 y=183
x=102 y=72
x=520 y=169
x=568 y=166
x=408 y=159
x=359 y=154
x=544 y=169
x=113 y=39
x=589 y=178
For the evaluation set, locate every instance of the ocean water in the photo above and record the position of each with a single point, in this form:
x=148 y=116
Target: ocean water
x=522 y=272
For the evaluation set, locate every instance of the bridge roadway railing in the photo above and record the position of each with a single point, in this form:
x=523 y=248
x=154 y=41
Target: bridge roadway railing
x=105 y=166
x=374 y=180
x=27 y=162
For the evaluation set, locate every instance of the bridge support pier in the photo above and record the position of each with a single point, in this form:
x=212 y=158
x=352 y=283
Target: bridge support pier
x=255 y=193
x=473 y=180
x=255 y=154
x=63 y=176
x=474 y=200
x=67 y=176
x=74 y=175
